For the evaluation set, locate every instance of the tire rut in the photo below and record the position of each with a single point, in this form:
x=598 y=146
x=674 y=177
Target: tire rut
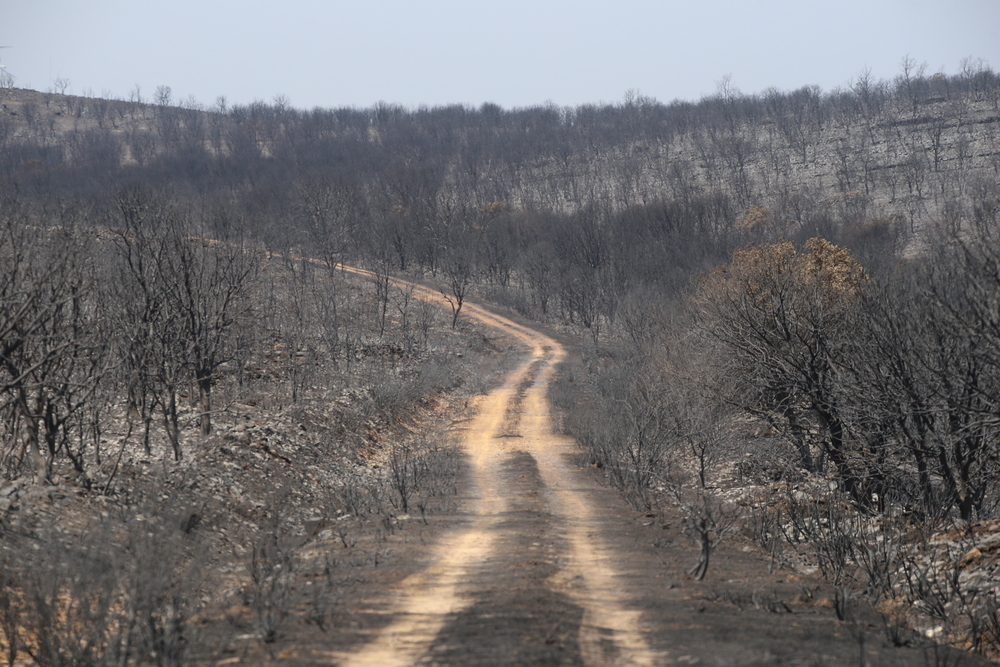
x=527 y=579
x=510 y=620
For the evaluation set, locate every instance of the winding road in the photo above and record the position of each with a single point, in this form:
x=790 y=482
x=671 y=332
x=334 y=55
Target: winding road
x=546 y=566
x=529 y=551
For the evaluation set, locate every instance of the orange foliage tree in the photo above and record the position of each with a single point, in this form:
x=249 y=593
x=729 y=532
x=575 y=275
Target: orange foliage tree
x=783 y=321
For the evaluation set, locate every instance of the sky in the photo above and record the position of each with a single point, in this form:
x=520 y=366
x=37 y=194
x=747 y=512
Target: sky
x=515 y=53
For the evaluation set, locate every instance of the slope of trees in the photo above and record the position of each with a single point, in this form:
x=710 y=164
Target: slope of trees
x=586 y=216
x=865 y=167
x=787 y=287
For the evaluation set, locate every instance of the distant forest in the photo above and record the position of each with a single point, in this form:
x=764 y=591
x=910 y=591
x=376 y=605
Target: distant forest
x=606 y=196
x=855 y=316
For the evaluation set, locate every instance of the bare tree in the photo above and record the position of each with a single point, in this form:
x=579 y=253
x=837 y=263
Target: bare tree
x=207 y=285
x=187 y=295
x=786 y=318
x=61 y=84
x=459 y=267
x=50 y=362
x=150 y=347
x=328 y=208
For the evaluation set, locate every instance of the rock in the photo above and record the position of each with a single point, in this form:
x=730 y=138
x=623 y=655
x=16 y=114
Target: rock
x=37 y=493
x=971 y=556
x=314 y=525
x=191 y=522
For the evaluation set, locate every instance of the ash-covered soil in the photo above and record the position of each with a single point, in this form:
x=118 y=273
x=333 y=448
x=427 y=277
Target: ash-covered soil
x=458 y=530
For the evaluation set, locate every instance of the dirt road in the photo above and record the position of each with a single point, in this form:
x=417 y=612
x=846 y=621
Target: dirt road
x=548 y=566
x=530 y=537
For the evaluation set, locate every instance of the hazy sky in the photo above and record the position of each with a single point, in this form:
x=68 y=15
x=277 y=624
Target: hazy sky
x=333 y=53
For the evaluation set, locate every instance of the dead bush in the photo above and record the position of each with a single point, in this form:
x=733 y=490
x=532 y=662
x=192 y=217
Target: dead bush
x=268 y=592
x=708 y=520
x=116 y=593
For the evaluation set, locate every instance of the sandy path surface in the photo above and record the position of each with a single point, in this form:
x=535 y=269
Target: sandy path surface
x=523 y=499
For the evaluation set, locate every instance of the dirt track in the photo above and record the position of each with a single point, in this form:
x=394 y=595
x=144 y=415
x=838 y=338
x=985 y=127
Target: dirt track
x=548 y=566
x=529 y=529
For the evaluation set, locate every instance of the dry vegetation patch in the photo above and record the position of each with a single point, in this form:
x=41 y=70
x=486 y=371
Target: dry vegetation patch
x=327 y=454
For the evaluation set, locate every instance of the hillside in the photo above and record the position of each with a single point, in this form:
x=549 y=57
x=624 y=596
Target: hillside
x=909 y=149
x=783 y=361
